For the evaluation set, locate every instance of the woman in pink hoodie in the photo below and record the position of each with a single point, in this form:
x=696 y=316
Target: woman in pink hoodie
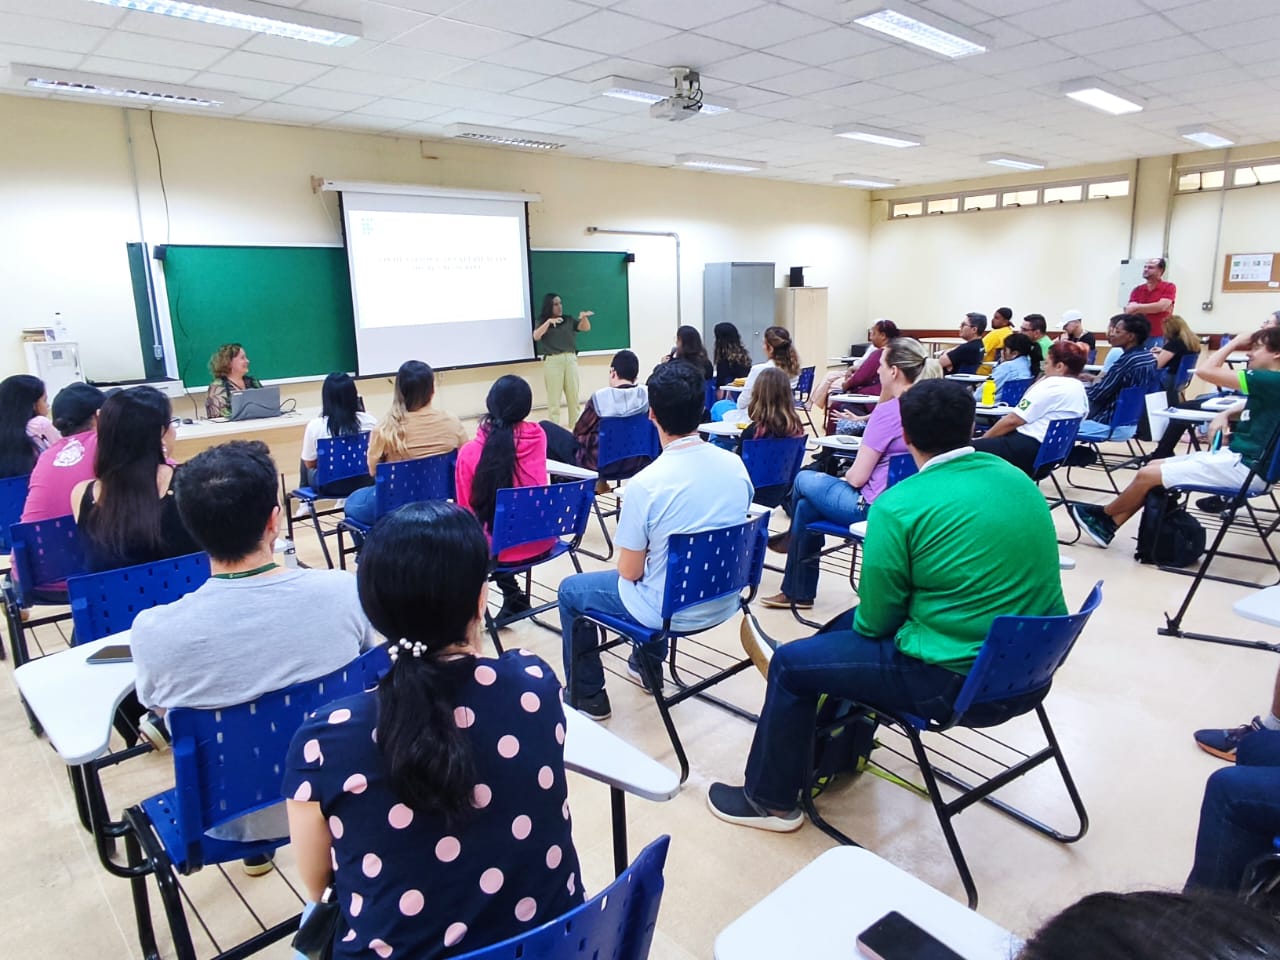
x=507 y=451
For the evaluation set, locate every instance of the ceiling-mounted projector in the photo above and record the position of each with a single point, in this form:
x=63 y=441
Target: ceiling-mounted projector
x=685 y=102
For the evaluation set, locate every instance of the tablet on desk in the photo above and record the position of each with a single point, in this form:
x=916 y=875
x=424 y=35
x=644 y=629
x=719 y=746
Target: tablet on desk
x=115 y=653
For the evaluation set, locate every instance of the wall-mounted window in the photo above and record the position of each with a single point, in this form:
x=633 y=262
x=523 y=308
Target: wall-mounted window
x=1028 y=195
x=1068 y=194
x=981 y=201
x=944 y=205
x=1020 y=198
x=912 y=208
x=1238 y=173
x=1106 y=189
x=1255 y=174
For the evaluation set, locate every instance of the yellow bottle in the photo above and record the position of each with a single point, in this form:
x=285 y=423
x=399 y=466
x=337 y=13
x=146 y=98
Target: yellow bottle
x=989 y=393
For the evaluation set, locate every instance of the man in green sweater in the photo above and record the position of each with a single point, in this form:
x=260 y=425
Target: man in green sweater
x=933 y=581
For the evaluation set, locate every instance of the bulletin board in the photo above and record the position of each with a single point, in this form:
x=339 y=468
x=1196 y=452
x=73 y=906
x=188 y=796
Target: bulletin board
x=1251 y=273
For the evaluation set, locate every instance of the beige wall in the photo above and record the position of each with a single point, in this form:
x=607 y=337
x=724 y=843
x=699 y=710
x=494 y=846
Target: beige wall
x=69 y=209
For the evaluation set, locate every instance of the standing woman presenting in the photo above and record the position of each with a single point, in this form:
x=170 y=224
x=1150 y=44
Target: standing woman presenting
x=559 y=349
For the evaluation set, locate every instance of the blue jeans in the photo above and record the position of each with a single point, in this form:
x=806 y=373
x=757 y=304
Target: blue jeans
x=1240 y=814
x=360 y=506
x=815 y=496
x=844 y=664
x=597 y=592
x=1093 y=430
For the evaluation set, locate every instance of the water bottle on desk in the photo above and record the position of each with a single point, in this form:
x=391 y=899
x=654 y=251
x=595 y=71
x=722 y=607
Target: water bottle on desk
x=989 y=393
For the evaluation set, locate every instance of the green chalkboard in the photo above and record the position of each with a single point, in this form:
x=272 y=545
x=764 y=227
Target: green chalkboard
x=289 y=306
x=586 y=280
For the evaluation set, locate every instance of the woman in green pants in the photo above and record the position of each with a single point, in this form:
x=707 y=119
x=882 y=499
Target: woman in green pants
x=558 y=345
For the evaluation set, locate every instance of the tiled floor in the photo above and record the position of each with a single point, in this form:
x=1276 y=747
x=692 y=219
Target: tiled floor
x=1124 y=707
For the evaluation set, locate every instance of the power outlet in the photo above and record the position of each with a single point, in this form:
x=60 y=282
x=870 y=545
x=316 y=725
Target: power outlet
x=1207 y=306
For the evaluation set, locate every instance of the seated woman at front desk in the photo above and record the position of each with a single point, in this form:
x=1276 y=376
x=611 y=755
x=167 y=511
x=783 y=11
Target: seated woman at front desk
x=230 y=369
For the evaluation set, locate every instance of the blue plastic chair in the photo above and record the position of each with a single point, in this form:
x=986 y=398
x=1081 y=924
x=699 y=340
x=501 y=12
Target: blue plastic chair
x=700 y=567
x=1013 y=390
x=337 y=459
x=901 y=466
x=13 y=497
x=801 y=392
x=1125 y=417
x=401 y=482
x=106 y=603
x=1182 y=378
x=46 y=553
x=773 y=462
x=616 y=924
x=524 y=515
x=1011 y=677
x=227 y=763
x=1059 y=440
x=627 y=445
x=709 y=400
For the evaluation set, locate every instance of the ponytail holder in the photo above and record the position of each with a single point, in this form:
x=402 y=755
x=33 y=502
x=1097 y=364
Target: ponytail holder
x=415 y=648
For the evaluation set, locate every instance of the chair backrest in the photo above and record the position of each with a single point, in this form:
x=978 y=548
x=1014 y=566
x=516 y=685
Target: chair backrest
x=13 y=497
x=714 y=563
x=340 y=458
x=1129 y=407
x=773 y=460
x=529 y=514
x=1020 y=655
x=1186 y=370
x=1056 y=446
x=901 y=466
x=616 y=924
x=622 y=438
x=1013 y=390
x=45 y=552
x=709 y=398
x=106 y=603
x=408 y=481
x=229 y=762
x=804 y=382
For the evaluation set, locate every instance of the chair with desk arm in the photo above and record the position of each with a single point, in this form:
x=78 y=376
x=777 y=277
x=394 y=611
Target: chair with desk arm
x=1059 y=440
x=338 y=459
x=1125 y=417
x=700 y=567
x=45 y=554
x=1011 y=677
x=13 y=497
x=773 y=462
x=398 y=483
x=802 y=392
x=626 y=446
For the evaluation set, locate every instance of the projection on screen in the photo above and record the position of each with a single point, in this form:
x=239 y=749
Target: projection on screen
x=440 y=279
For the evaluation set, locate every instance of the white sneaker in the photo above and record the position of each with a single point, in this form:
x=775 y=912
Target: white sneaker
x=758 y=647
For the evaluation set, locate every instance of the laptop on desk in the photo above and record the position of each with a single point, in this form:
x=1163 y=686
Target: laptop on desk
x=255 y=404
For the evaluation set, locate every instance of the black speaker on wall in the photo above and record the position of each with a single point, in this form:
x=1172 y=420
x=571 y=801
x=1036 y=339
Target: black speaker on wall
x=795 y=277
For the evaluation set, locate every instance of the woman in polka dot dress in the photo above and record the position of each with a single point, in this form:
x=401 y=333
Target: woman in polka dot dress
x=436 y=805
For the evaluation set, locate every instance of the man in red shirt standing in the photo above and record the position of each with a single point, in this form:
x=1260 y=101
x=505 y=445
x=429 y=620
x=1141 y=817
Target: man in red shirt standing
x=1153 y=299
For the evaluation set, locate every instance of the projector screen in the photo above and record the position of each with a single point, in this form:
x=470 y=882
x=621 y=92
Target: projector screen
x=443 y=279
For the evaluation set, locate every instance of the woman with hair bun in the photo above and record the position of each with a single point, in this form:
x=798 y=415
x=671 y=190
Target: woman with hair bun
x=781 y=353
x=436 y=806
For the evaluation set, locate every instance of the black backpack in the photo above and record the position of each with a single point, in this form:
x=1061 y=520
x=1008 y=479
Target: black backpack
x=850 y=736
x=1167 y=534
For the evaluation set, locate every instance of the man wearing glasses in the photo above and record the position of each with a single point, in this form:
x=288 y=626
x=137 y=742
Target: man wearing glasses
x=966 y=357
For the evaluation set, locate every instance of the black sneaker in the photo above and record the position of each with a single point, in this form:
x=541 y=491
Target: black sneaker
x=513 y=605
x=595 y=706
x=1211 y=504
x=633 y=668
x=1223 y=743
x=1095 y=522
x=1081 y=457
x=732 y=805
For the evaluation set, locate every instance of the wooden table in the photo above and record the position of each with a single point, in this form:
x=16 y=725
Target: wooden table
x=282 y=434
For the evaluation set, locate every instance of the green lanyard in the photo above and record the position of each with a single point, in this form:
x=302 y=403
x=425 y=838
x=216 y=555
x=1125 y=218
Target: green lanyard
x=246 y=573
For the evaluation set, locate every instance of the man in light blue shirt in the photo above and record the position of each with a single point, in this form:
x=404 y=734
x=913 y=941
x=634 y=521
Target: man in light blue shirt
x=693 y=486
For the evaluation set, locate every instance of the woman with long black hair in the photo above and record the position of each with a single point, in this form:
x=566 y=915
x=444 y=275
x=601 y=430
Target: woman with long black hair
x=435 y=806
x=25 y=428
x=689 y=348
x=129 y=514
x=340 y=416
x=557 y=342
x=507 y=451
x=732 y=359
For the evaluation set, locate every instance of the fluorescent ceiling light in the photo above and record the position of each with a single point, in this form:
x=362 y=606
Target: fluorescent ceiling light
x=1206 y=136
x=1094 y=93
x=702 y=161
x=864 y=180
x=501 y=137
x=254 y=16
x=143 y=93
x=1013 y=162
x=878 y=135
x=637 y=91
x=937 y=34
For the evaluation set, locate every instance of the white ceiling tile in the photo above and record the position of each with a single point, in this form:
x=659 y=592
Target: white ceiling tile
x=138 y=71
x=574 y=115
x=360 y=123
x=854 y=94
x=398 y=61
x=1228 y=35
x=361 y=81
x=682 y=13
x=928 y=79
x=750 y=68
x=827 y=46
x=458 y=39
x=170 y=53
x=1145 y=32
x=547 y=58
x=29 y=31
x=883 y=63
x=174 y=28
x=610 y=32
x=279 y=113
x=558 y=90
x=1206 y=14
x=244 y=86
x=56 y=59
x=1068 y=17
x=310 y=52
x=686 y=49
x=477 y=117
x=253 y=65
x=492 y=77
x=1170 y=49
x=620 y=67
x=1021 y=57
x=773 y=22
x=807 y=81
x=74 y=11
x=379 y=21
x=510 y=105
x=402 y=109
x=531 y=18
x=440 y=94
x=324 y=99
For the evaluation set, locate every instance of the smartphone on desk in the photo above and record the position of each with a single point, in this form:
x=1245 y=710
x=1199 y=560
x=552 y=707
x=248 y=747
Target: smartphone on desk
x=894 y=937
x=116 y=653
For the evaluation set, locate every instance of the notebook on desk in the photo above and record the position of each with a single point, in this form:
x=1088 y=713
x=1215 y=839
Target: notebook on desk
x=255 y=404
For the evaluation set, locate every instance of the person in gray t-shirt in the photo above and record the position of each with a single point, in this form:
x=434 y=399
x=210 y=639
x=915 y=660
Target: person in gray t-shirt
x=254 y=626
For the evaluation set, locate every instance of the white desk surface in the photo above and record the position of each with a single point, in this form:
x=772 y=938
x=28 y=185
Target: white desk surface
x=999 y=410
x=869 y=398
x=845 y=444
x=724 y=428
x=1238 y=356
x=1221 y=403
x=1261 y=605
x=1196 y=416
x=1093 y=368
x=821 y=910
x=561 y=469
x=948 y=341
x=76 y=701
x=213 y=429
x=859 y=529
x=732 y=388
x=967 y=377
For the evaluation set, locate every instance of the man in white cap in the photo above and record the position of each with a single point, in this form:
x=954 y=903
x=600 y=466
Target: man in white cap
x=1073 y=327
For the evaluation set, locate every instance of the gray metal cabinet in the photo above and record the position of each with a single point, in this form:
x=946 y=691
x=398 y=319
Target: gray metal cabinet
x=741 y=294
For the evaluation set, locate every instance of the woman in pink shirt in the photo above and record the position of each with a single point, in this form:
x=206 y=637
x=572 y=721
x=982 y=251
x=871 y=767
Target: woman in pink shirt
x=507 y=451
x=70 y=460
x=25 y=430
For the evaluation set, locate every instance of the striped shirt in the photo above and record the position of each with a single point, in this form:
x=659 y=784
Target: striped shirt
x=1135 y=368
